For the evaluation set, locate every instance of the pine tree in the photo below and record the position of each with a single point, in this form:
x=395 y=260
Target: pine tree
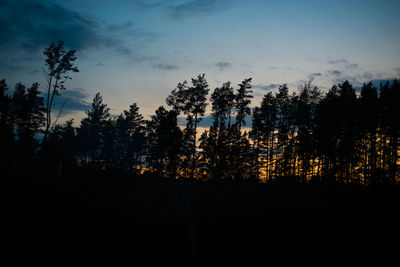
x=192 y=102
x=263 y=133
x=61 y=145
x=215 y=145
x=368 y=122
x=135 y=131
x=165 y=142
x=6 y=126
x=390 y=129
x=283 y=130
x=29 y=118
x=90 y=133
x=347 y=110
x=305 y=125
x=242 y=106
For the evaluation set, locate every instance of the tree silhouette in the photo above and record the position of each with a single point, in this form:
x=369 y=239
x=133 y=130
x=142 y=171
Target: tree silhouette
x=242 y=105
x=62 y=146
x=164 y=142
x=242 y=102
x=6 y=126
x=347 y=135
x=134 y=128
x=59 y=64
x=263 y=134
x=215 y=144
x=28 y=109
x=108 y=151
x=389 y=120
x=368 y=121
x=90 y=133
x=302 y=136
x=308 y=99
x=283 y=101
x=192 y=102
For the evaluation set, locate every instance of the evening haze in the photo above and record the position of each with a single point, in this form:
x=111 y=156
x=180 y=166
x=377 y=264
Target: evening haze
x=137 y=51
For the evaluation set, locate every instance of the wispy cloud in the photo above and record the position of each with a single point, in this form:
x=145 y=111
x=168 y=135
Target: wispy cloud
x=267 y=87
x=223 y=65
x=74 y=99
x=358 y=79
x=148 y=4
x=338 y=61
x=315 y=74
x=165 y=66
x=343 y=62
x=335 y=72
x=198 y=7
x=124 y=26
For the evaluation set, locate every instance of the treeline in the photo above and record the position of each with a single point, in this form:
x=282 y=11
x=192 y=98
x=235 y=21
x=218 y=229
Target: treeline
x=338 y=136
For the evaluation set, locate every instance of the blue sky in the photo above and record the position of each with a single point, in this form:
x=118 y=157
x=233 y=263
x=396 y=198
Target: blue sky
x=137 y=50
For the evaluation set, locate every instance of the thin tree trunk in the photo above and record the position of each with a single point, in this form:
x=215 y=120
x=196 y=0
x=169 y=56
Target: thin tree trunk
x=373 y=154
x=194 y=147
x=47 y=111
x=49 y=107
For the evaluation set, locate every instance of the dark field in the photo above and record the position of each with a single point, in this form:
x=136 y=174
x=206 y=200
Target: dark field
x=98 y=219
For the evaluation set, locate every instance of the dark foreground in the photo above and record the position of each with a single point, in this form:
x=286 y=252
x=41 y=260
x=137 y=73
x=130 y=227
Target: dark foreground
x=99 y=219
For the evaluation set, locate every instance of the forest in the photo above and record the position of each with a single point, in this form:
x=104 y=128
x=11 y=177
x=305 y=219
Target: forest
x=340 y=136
x=117 y=186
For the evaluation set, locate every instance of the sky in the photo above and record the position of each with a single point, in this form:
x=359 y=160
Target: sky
x=137 y=51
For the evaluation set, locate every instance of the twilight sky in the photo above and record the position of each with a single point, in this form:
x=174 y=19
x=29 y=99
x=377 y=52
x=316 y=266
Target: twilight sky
x=138 y=50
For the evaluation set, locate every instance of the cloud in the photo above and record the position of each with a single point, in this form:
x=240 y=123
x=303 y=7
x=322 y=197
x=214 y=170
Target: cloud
x=338 y=61
x=32 y=25
x=316 y=74
x=357 y=80
x=397 y=70
x=180 y=9
x=343 y=62
x=267 y=87
x=148 y=4
x=335 y=72
x=10 y=65
x=223 y=65
x=352 y=65
x=165 y=66
x=124 y=26
x=368 y=76
x=75 y=100
x=198 y=7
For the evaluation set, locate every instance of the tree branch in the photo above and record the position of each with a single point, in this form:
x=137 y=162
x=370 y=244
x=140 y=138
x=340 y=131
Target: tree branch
x=59 y=113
